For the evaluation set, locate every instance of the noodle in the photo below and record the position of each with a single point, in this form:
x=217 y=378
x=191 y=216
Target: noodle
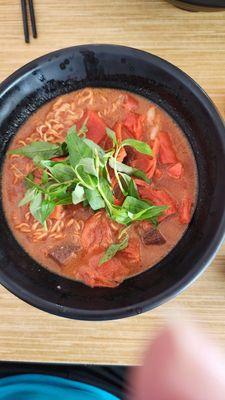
x=55 y=226
x=22 y=142
x=86 y=96
x=57 y=103
x=70 y=222
x=60 y=117
x=15 y=155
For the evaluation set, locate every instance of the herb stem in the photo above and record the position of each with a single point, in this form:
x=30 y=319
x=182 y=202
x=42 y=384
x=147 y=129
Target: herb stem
x=80 y=178
x=124 y=231
x=116 y=172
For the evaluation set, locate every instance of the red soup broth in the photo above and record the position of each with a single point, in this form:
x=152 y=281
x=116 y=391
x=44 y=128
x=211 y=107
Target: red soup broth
x=76 y=236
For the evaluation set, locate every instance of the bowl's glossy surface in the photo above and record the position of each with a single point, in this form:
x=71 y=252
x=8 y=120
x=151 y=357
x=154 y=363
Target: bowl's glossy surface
x=118 y=67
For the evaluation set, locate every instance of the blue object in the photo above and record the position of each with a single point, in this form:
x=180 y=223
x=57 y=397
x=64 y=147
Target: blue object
x=47 y=387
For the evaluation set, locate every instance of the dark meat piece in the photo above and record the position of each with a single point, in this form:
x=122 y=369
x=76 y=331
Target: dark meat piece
x=63 y=252
x=118 y=194
x=132 y=154
x=153 y=236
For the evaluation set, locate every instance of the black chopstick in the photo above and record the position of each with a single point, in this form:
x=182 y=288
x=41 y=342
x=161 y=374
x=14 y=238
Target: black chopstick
x=32 y=18
x=25 y=21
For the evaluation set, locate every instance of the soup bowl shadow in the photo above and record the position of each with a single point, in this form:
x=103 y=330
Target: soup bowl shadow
x=125 y=68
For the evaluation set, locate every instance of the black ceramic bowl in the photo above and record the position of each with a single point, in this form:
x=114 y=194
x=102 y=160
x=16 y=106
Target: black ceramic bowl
x=200 y=5
x=126 y=68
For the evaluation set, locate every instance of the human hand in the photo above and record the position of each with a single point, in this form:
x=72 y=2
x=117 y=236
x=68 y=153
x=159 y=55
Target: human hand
x=180 y=364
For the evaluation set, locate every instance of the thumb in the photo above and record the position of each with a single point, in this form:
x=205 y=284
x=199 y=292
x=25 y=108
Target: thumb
x=180 y=364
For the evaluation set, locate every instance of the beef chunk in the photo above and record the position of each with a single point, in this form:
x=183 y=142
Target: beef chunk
x=63 y=252
x=117 y=193
x=153 y=236
x=131 y=155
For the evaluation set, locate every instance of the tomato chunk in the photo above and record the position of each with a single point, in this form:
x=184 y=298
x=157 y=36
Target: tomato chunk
x=112 y=272
x=158 y=173
x=121 y=132
x=147 y=163
x=185 y=211
x=157 y=197
x=96 y=126
x=109 y=274
x=175 y=171
x=167 y=154
x=134 y=123
x=155 y=149
x=118 y=131
x=97 y=233
x=122 y=154
x=132 y=252
x=130 y=103
x=57 y=212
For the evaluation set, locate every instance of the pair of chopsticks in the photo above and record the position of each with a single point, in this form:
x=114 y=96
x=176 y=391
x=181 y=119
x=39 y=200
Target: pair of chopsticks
x=25 y=19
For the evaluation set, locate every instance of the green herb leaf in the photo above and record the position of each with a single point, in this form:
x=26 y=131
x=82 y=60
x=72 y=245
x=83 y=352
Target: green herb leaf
x=38 y=151
x=94 y=198
x=62 y=172
x=83 y=130
x=94 y=147
x=77 y=147
x=125 y=182
x=89 y=181
x=150 y=213
x=132 y=189
x=47 y=163
x=129 y=185
x=139 y=210
x=56 y=193
x=134 y=205
x=35 y=207
x=29 y=181
x=47 y=208
x=64 y=149
x=121 y=167
x=140 y=174
x=30 y=184
x=50 y=163
x=78 y=195
x=111 y=134
x=44 y=178
x=65 y=200
x=106 y=191
x=29 y=195
x=138 y=145
x=120 y=215
x=89 y=165
x=113 y=249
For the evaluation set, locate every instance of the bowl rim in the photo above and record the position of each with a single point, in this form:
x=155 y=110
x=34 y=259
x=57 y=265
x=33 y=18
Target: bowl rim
x=203 y=3
x=203 y=261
